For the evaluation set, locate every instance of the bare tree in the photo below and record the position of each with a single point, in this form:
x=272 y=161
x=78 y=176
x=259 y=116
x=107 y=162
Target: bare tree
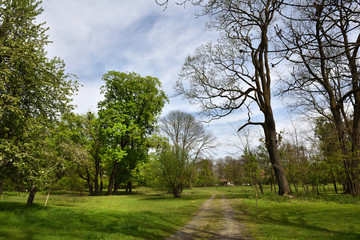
x=322 y=40
x=188 y=140
x=188 y=134
x=235 y=72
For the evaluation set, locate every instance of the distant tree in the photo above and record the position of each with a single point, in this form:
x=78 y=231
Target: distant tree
x=233 y=170
x=34 y=91
x=127 y=116
x=329 y=151
x=75 y=145
x=219 y=170
x=251 y=169
x=205 y=175
x=176 y=168
x=187 y=134
x=187 y=141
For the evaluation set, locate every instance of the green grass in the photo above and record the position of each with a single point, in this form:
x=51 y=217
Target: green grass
x=153 y=215
x=145 y=215
x=303 y=217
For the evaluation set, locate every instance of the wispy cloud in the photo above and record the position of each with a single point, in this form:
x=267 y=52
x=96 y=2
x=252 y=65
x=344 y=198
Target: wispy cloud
x=93 y=37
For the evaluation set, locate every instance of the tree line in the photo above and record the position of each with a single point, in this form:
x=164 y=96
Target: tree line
x=306 y=50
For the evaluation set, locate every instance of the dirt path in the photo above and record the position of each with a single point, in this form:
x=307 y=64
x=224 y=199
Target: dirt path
x=216 y=219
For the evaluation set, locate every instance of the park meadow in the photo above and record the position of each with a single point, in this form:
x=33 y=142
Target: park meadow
x=150 y=214
x=266 y=145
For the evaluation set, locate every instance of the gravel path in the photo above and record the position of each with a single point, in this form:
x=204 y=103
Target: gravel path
x=216 y=219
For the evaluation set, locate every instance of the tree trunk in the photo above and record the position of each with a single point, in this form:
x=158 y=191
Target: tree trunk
x=334 y=182
x=97 y=171
x=261 y=188
x=89 y=182
x=355 y=148
x=112 y=178
x=272 y=147
x=355 y=133
x=90 y=186
x=116 y=185
x=129 y=187
x=101 y=181
x=1 y=187
x=176 y=192
x=31 y=195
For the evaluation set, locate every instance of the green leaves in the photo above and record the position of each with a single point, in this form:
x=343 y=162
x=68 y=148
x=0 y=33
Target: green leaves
x=34 y=92
x=127 y=117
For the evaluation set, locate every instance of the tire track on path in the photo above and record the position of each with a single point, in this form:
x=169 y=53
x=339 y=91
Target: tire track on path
x=216 y=220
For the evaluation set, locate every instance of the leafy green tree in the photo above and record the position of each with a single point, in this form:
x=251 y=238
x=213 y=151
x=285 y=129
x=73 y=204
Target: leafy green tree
x=34 y=91
x=127 y=115
x=74 y=144
x=92 y=126
x=251 y=170
x=233 y=170
x=205 y=175
x=330 y=150
x=176 y=169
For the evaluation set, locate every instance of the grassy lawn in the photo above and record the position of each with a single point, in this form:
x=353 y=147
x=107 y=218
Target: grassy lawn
x=153 y=215
x=304 y=217
x=145 y=215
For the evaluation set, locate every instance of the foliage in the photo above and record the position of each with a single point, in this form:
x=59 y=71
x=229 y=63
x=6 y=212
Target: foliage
x=34 y=91
x=127 y=117
x=205 y=173
x=176 y=168
x=186 y=141
x=75 y=145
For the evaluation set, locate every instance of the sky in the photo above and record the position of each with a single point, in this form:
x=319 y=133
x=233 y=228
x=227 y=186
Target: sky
x=96 y=36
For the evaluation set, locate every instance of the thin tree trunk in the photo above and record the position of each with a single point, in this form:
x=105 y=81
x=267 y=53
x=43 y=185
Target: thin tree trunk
x=112 y=178
x=101 y=181
x=97 y=171
x=31 y=195
x=261 y=189
x=89 y=182
x=334 y=182
x=116 y=185
x=129 y=187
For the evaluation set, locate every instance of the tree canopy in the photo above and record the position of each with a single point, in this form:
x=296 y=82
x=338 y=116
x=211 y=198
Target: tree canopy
x=34 y=91
x=127 y=115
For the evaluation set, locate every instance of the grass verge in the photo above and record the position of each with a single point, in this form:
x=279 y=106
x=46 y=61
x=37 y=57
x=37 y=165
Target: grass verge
x=143 y=215
x=303 y=217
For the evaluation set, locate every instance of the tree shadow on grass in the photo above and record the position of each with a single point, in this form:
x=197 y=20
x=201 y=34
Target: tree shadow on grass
x=184 y=197
x=294 y=223
x=19 y=221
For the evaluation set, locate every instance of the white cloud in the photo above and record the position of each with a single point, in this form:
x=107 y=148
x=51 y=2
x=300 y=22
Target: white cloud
x=94 y=36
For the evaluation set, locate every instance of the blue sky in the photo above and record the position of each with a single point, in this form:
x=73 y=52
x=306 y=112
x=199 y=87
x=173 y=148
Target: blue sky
x=94 y=36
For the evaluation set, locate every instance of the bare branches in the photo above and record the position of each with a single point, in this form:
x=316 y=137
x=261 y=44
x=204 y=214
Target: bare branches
x=323 y=42
x=186 y=133
x=164 y=3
